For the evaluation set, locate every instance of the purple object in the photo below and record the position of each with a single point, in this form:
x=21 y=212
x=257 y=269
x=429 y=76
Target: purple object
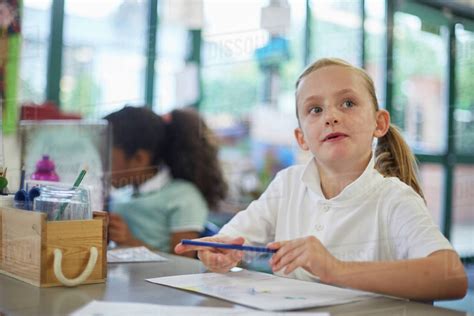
x=45 y=170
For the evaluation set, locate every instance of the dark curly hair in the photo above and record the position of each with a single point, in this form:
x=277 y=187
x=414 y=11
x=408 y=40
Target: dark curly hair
x=184 y=143
x=192 y=154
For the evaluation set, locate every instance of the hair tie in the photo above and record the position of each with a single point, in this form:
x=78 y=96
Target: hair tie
x=167 y=118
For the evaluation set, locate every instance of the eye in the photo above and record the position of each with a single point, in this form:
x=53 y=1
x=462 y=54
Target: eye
x=347 y=104
x=315 y=109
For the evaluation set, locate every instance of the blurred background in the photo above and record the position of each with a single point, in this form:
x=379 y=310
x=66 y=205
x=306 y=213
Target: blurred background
x=237 y=62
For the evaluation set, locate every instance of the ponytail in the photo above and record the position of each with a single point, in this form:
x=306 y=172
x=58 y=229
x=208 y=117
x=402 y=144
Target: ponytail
x=393 y=158
x=192 y=154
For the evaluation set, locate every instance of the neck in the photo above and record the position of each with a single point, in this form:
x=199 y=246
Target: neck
x=144 y=176
x=335 y=178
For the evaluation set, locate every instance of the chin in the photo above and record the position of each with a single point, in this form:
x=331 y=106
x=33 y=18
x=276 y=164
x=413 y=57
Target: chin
x=119 y=183
x=339 y=155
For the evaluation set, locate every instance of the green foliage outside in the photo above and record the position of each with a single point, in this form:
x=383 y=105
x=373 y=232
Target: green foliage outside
x=83 y=97
x=230 y=89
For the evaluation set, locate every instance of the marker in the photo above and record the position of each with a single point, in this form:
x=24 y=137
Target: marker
x=227 y=246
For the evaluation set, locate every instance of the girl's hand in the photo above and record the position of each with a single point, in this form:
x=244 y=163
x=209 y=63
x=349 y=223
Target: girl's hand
x=215 y=259
x=307 y=253
x=119 y=231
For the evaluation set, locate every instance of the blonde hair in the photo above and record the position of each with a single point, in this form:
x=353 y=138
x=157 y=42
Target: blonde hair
x=393 y=156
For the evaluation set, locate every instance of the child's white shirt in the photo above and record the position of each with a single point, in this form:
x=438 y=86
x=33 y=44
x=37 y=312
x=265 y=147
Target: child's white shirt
x=372 y=219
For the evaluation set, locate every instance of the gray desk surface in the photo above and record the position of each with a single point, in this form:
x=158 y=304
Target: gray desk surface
x=125 y=283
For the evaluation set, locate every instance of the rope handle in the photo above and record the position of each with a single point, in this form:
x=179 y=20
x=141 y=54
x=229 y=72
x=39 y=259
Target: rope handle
x=58 y=271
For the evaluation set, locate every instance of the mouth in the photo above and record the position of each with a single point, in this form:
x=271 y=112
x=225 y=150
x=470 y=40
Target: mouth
x=334 y=137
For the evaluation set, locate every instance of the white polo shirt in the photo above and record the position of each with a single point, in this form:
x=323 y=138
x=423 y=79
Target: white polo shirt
x=372 y=219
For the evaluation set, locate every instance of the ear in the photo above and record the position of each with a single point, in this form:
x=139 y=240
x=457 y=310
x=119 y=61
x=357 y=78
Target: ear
x=141 y=159
x=300 y=138
x=382 y=121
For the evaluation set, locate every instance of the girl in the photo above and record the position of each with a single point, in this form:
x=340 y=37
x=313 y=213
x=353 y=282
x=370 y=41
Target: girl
x=349 y=217
x=171 y=164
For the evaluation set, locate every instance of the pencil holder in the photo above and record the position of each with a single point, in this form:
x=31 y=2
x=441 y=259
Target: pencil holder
x=63 y=203
x=52 y=253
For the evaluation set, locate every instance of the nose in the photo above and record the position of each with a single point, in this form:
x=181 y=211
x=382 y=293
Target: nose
x=331 y=117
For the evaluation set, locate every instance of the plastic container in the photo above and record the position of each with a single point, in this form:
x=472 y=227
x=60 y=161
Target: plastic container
x=63 y=203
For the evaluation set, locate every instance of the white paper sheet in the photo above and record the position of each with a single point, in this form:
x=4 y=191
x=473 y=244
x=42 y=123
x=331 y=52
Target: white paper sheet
x=263 y=291
x=134 y=254
x=96 y=308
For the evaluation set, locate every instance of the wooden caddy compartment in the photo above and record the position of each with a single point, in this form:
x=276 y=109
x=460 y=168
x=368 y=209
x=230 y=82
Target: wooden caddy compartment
x=28 y=243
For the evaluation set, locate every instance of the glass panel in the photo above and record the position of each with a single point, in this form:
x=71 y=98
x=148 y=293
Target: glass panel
x=229 y=68
x=462 y=229
x=249 y=69
x=104 y=55
x=431 y=177
x=176 y=83
x=375 y=57
x=418 y=102
x=170 y=66
x=35 y=30
x=337 y=27
x=464 y=113
x=231 y=83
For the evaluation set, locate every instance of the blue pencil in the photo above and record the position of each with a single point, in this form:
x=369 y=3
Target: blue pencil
x=227 y=246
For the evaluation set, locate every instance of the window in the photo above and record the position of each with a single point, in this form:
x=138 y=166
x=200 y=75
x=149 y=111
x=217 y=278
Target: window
x=462 y=230
x=230 y=73
x=463 y=196
x=249 y=68
x=170 y=68
x=431 y=178
x=418 y=84
x=420 y=106
x=35 y=32
x=103 y=56
x=337 y=29
x=375 y=57
x=464 y=112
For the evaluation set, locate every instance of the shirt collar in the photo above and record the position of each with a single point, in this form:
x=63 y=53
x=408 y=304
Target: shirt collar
x=156 y=182
x=358 y=188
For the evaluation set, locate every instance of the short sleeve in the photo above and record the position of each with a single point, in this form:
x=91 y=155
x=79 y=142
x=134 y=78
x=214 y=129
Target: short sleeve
x=189 y=209
x=257 y=223
x=412 y=231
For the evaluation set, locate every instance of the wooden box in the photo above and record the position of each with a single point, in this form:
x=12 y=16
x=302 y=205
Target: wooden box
x=28 y=243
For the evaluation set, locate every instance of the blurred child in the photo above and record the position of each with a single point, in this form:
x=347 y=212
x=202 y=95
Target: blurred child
x=172 y=167
x=352 y=216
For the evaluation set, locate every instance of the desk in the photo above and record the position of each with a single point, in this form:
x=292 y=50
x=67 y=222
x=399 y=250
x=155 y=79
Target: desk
x=126 y=283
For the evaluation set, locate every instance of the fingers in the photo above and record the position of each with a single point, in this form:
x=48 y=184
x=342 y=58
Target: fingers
x=287 y=254
x=216 y=259
x=233 y=241
x=283 y=248
x=220 y=262
x=295 y=259
x=301 y=252
x=115 y=220
x=118 y=228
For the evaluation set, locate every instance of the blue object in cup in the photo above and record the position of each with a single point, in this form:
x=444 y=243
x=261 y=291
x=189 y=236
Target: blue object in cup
x=21 y=200
x=24 y=200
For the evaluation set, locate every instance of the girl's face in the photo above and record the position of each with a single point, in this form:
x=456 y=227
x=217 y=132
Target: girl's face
x=120 y=168
x=130 y=170
x=337 y=117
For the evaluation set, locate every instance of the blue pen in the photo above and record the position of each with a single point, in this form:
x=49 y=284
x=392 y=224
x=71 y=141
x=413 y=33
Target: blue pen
x=227 y=246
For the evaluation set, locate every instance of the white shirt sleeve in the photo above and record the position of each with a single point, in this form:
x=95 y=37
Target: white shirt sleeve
x=412 y=231
x=257 y=223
